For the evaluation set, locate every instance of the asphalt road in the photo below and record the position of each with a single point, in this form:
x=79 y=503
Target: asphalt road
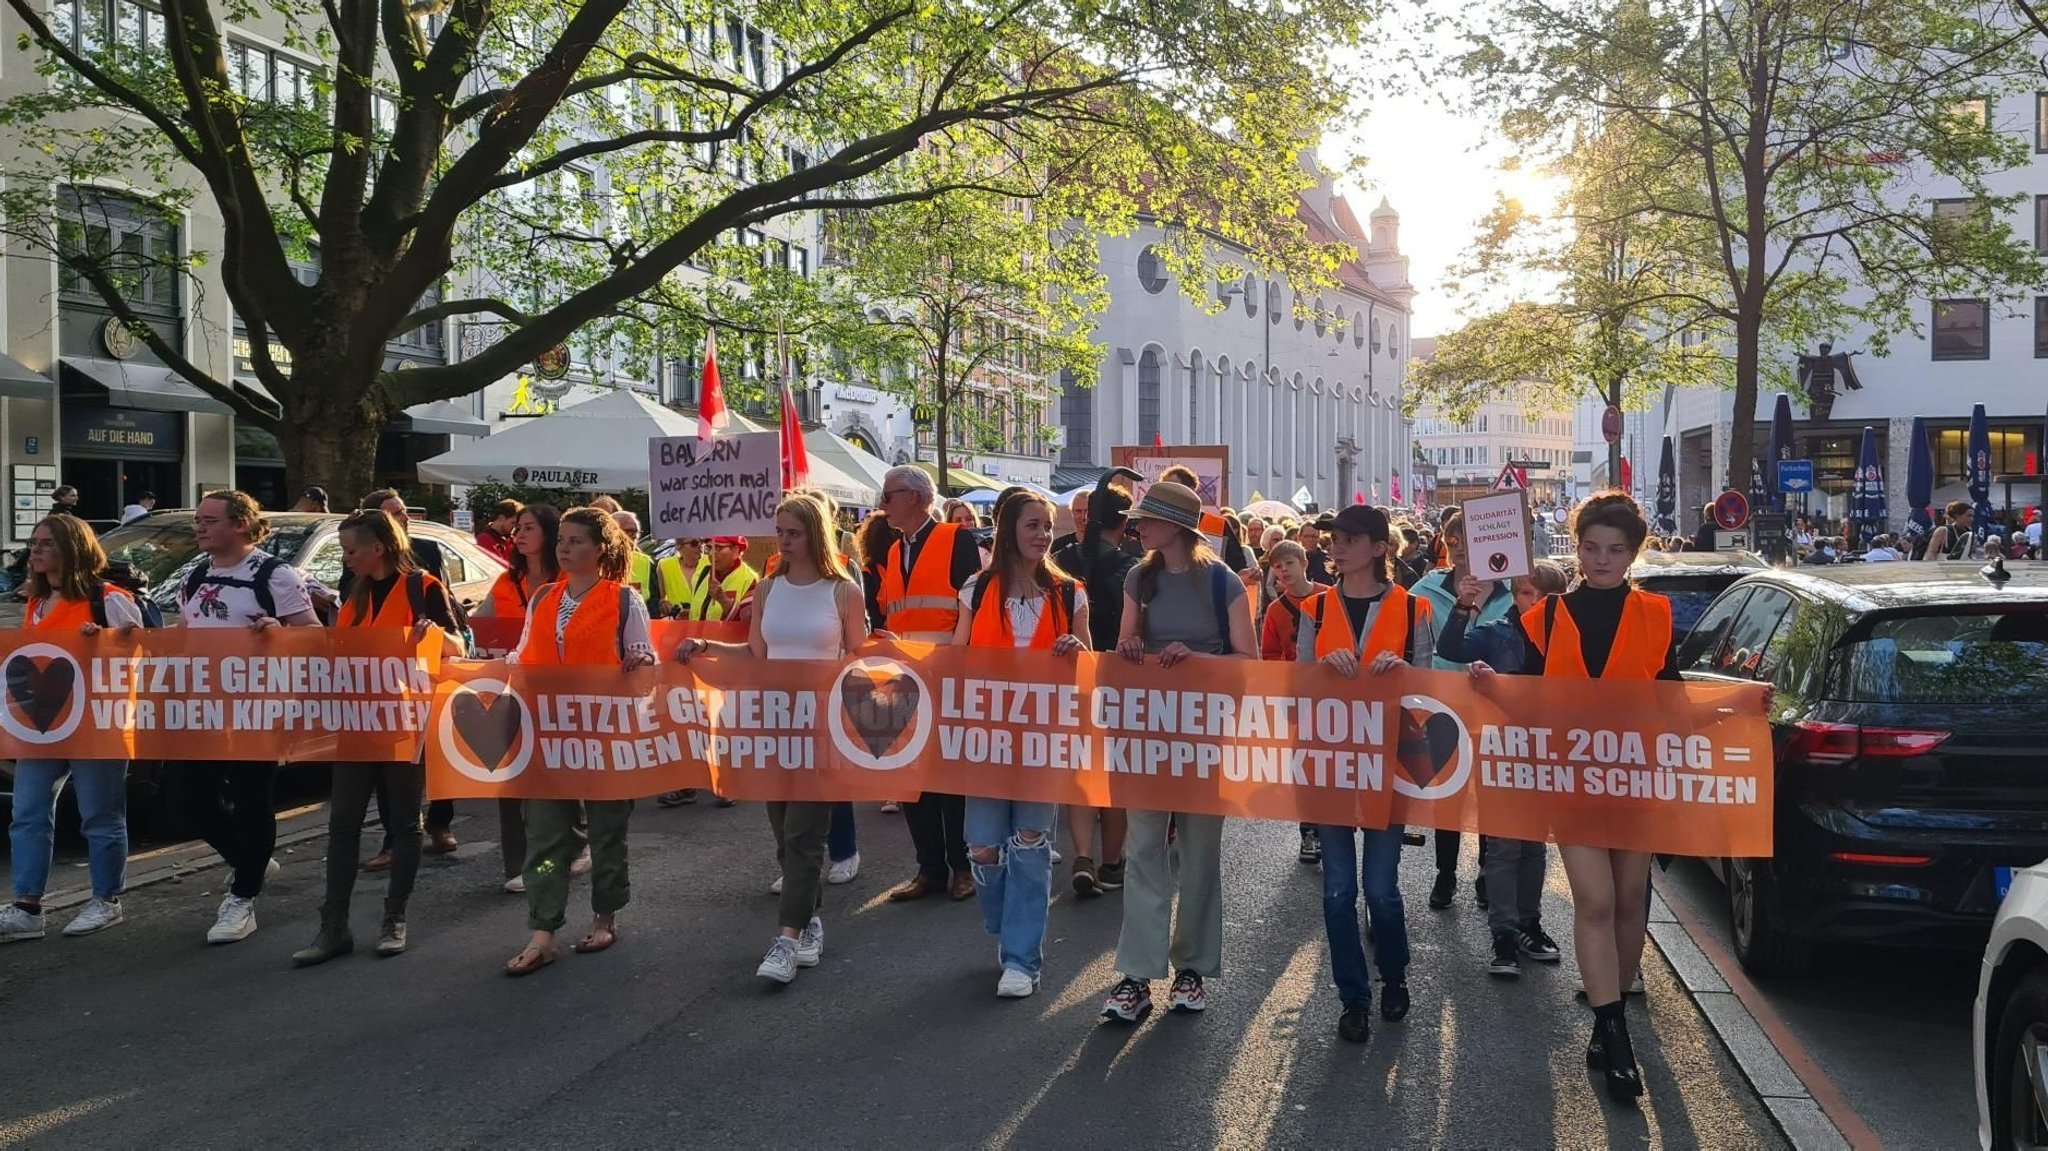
x=146 y=1037
x=1890 y=1027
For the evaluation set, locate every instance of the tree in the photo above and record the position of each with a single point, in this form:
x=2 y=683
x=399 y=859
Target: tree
x=1795 y=141
x=574 y=159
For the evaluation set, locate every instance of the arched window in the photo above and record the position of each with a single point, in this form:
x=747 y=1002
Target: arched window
x=1272 y=302
x=1358 y=329
x=1251 y=295
x=1299 y=319
x=1148 y=397
x=1375 y=335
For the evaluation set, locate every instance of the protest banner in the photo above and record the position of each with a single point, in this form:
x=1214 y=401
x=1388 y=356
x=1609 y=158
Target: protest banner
x=1496 y=527
x=1652 y=766
x=285 y=695
x=497 y=637
x=1209 y=462
x=727 y=486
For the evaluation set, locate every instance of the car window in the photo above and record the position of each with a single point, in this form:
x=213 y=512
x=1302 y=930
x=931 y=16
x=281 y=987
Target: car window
x=162 y=549
x=1701 y=647
x=1947 y=657
x=325 y=563
x=453 y=565
x=1800 y=648
x=1743 y=654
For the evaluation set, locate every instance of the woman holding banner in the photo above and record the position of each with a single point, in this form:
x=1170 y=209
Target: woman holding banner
x=1181 y=603
x=1366 y=621
x=65 y=591
x=1021 y=601
x=810 y=608
x=390 y=590
x=589 y=617
x=1605 y=628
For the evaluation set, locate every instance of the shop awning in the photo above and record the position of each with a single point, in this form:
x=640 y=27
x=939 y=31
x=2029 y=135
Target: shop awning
x=18 y=380
x=1070 y=476
x=963 y=480
x=440 y=418
x=140 y=386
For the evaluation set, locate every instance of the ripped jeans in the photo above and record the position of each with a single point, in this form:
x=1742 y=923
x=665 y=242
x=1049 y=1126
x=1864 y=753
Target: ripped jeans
x=1015 y=886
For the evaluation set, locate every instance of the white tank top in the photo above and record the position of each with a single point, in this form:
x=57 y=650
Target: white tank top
x=801 y=621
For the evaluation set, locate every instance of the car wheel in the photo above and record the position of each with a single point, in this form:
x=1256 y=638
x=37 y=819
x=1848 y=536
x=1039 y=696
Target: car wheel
x=1762 y=944
x=2018 y=1083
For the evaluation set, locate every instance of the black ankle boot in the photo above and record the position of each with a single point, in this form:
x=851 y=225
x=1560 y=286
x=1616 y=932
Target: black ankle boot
x=1596 y=1050
x=1624 y=1080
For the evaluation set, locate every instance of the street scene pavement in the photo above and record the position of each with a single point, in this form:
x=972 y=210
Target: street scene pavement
x=144 y=1036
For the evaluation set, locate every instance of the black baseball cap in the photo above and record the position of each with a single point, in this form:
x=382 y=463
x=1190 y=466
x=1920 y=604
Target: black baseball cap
x=1361 y=520
x=319 y=494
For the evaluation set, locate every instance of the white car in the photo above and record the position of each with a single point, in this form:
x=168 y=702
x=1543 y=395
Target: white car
x=2010 y=1025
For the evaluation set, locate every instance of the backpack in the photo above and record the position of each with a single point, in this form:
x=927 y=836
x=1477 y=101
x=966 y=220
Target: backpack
x=1066 y=590
x=1220 y=579
x=260 y=584
x=1102 y=571
x=152 y=615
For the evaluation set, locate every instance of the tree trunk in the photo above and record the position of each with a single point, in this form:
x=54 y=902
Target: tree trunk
x=1614 y=447
x=332 y=448
x=1742 y=428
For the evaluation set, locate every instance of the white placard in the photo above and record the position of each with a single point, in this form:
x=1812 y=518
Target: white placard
x=1497 y=535
x=465 y=520
x=728 y=486
x=1208 y=476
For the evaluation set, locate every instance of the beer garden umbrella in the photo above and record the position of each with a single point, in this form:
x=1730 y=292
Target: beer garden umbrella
x=1920 y=475
x=1667 y=487
x=1867 y=499
x=1781 y=447
x=1978 y=469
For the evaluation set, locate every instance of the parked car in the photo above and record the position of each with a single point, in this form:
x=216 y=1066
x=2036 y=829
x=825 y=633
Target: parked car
x=2009 y=1026
x=161 y=548
x=1691 y=581
x=1910 y=760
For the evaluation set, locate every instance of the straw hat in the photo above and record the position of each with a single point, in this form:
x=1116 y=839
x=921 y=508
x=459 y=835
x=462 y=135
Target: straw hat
x=1172 y=503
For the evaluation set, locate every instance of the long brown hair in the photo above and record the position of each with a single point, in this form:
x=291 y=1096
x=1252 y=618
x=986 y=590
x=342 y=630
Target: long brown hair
x=388 y=534
x=809 y=510
x=243 y=512
x=1155 y=562
x=615 y=560
x=549 y=519
x=84 y=561
x=871 y=542
x=1009 y=517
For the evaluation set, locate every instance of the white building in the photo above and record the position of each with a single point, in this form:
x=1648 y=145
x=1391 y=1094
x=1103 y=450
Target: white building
x=1470 y=453
x=1306 y=393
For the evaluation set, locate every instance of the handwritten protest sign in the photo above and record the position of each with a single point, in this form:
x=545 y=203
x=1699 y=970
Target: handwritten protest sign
x=1497 y=535
x=728 y=486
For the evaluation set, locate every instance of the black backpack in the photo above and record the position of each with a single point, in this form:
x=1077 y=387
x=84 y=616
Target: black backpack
x=152 y=615
x=198 y=577
x=1102 y=572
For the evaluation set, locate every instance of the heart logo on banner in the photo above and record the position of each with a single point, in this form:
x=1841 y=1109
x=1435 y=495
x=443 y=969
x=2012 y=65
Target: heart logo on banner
x=1429 y=741
x=880 y=707
x=491 y=730
x=41 y=688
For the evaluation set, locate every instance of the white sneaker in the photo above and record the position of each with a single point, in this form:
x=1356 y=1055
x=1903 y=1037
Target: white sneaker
x=810 y=943
x=1015 y=984
x=272 y=869
x=516 y=885
x=1056 y=857
x=236 y=921
x=581 y=864
x=775 y=888
x=17 y=925
x=780 y=962
x=843 y=870
x=99 y=914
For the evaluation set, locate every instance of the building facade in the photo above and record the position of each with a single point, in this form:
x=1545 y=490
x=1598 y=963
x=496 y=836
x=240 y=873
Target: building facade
x=1306 y=393
x=1470 y=453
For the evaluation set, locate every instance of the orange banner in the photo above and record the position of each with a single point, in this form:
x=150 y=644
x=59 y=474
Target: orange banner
x=496 y=637
x=1684 y=769
x=204 y=694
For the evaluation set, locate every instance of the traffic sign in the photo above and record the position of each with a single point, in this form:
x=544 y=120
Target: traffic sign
x=1511 y=479
x=1795 y=476
x=1303 y=498
x=1611 y=424
x=1731 y=510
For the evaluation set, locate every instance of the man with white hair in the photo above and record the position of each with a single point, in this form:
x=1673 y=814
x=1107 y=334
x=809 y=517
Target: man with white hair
x=918 y=598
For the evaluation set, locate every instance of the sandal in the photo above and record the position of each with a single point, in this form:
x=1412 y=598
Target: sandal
x=599 y=939
x=520 y=965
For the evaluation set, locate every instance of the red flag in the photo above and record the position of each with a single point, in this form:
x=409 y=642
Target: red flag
x=1357 y=497
x=796 y=461
x=1157 y=441
x=711 y=412
x=1628 y=474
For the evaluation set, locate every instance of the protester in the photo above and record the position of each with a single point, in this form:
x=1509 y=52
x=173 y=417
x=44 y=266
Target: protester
x=588 y=617
x=685 y=577
x=1310 y=536
x=390 y=590
x=1077 y=508
x=1180 y=603
x=605 y=504
x=239 y=586
x=918 y=599
x=145 y=503
x=425 y=552
x=641 y=577
x=810 y=608
x=732 y=581
x=1021 y=601
x=959 y=511
x=1513 y=872
x=495 y=537
x=1411 y=555
x=1101 y=564
x=65 y=591
x=1278 y=640
x=1365 y=621
x=1705 y=536
x=1605 y=629
x=314 y=500
x=64 y=500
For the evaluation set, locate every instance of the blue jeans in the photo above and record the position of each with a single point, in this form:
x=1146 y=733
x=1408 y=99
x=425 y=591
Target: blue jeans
x=840 y=844
x=1013 y=891
x=1377 y=869
x=102 y=787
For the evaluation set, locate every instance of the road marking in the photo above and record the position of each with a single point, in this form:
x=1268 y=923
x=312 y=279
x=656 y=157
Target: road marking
x=1832 y=1102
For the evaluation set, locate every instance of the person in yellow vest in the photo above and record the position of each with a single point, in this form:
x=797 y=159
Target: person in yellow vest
x=640 y=574
x=679 y=575
x=1365 y=620
x=918 y=598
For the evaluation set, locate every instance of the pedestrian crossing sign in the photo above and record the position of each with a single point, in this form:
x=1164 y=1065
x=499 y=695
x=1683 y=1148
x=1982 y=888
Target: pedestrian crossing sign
x=1511 y=479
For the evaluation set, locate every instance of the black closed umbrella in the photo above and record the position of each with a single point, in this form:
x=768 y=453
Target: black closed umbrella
x=1667 y=487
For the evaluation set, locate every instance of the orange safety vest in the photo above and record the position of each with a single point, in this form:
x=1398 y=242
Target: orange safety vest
x=1642 y=641
x=929 y=606
x=71 y=613
x=509 y=595
x=1392 y=627
x=992 y=614
x=398 y=606
x=593 y=634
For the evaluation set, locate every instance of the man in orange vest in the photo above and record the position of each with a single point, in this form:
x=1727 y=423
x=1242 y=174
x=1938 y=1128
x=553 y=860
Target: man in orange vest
x=918 y=598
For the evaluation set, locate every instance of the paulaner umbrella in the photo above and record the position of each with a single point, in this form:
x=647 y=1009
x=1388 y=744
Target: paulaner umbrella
x=1978 y=468
x=1667 y=487
x=1920 y=475
x=1781 y=446
x=1866 y=501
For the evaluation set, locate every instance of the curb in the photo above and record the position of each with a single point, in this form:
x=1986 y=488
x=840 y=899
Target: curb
x=172 y=863
x=1805 y=1123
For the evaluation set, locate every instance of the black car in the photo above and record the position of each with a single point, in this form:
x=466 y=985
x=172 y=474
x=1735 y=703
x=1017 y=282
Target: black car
x=1691 y=581
x=1911 y=769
